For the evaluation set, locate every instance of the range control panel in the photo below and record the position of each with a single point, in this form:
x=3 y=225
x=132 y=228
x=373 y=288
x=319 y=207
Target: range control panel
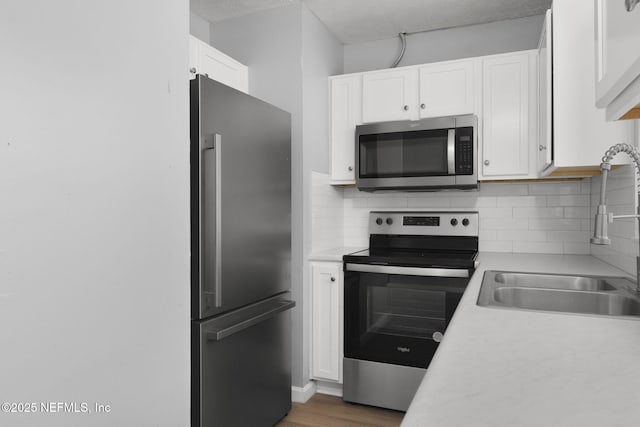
x=463 y=223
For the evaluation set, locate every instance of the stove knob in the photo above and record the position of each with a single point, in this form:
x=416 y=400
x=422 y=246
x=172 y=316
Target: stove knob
x=454 y=222
x=465 y=222
x=379 y=221
x=389 y=221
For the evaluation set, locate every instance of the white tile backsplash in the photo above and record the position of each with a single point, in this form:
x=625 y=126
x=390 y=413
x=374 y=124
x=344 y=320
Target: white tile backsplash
x=327 y=213
x=537 y=217
x=514 y=217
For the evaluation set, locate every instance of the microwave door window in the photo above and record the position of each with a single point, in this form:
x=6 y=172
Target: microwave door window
x=403 y=154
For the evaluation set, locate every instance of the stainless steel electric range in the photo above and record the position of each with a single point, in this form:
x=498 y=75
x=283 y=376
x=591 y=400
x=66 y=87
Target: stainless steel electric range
x=400 y=295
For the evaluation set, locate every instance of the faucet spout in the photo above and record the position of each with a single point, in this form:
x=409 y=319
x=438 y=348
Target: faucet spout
x=603 y=218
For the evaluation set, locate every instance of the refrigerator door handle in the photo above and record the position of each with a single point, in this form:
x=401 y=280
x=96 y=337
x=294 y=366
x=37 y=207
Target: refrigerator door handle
x=219 y=334
x=213 y=143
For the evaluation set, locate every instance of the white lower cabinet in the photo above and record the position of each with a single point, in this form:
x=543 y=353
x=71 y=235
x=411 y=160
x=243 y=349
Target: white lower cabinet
x=327 y=308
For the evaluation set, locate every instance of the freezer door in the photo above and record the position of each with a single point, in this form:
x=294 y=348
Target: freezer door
x=241 y=199
x=241 y=367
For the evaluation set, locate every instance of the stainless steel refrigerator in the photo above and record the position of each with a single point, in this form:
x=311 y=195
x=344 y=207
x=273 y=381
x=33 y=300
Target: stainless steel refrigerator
x=241 y=256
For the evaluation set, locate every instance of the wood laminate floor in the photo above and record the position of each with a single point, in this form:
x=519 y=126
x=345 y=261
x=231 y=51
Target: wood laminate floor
x=330 y=411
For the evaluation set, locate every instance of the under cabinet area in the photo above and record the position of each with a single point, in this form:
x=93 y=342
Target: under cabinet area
x=327 y=319
x=207 y=60
x=508 y=116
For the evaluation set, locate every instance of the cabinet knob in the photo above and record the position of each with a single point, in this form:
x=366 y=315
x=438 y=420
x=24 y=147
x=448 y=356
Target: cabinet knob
x=542 y=147
x=437 y=336
x=405 y=108
x=192 y=70
x=333 y=279
x=350 y=168
x=423 y=106
x=631 y=4
x=487 y=162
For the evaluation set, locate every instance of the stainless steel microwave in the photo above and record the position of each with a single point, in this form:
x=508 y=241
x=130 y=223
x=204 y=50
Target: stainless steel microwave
x=423 y=155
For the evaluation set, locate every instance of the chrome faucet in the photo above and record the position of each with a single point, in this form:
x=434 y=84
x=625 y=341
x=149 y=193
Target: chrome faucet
x=602 y=217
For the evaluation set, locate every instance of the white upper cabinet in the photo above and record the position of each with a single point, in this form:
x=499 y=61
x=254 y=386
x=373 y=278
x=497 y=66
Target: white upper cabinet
x=412 y=93
x=447 y=88
x=618 y=57
x=345 y=97
x=509 y=116
x=545 y=96
x=575 y=131
x=390 y=95
x=217 y=66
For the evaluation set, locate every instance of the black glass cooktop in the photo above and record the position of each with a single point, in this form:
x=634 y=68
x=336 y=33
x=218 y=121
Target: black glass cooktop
x=433 y=259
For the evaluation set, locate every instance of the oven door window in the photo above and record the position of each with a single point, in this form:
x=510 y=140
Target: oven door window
x=397 y=319
x=403 y=154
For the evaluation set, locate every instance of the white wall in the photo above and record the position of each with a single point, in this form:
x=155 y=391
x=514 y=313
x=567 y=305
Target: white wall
x=199 y=27
x=290 y=54
x=321 y=58
x=270 y=43
x=327 y=213
x=94 y=210
x=442 y=45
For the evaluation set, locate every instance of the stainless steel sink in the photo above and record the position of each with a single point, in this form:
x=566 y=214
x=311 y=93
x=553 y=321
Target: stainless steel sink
x=554 y=281
x=608 y=296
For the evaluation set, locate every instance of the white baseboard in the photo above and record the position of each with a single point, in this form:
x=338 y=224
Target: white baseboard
x=302 y=394
x=332 y=389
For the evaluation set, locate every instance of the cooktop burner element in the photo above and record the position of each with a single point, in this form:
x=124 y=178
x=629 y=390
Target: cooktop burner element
x=421 y=239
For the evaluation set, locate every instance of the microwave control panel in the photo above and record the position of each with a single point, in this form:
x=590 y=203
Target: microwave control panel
x=464 y=151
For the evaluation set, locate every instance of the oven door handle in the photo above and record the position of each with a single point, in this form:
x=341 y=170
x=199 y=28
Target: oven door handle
x=409 y=271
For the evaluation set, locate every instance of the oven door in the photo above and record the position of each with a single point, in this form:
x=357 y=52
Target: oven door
x=398 y=315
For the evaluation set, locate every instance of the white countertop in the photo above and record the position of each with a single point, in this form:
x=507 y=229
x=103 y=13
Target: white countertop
x=334 y=254
x=501 y=367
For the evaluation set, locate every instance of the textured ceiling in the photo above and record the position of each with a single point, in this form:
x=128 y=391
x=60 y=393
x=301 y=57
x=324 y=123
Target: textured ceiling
x=354 y=21
x=219 y=10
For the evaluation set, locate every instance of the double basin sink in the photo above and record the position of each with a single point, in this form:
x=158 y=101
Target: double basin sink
x=588 y=295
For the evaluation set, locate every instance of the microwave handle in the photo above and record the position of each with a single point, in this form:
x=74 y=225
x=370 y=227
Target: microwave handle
x=451 y=152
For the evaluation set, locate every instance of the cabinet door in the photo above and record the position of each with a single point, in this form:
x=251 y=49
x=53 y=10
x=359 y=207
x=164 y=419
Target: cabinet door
x=345 y=114
x=447 y=89
x=545 y=100
x=505 y=151
x=618 y=55
x=327 y=321
x=223 y=68
x=581 y=134
x=390 y=95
